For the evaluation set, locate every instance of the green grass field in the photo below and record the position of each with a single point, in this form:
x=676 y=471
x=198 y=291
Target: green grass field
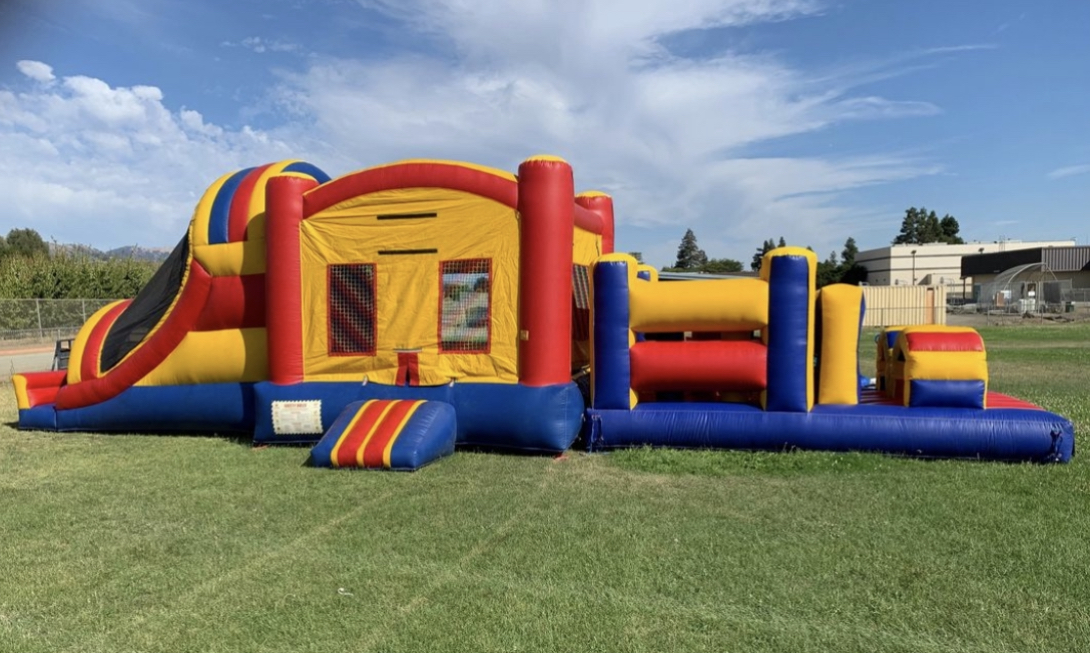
x=143 y=543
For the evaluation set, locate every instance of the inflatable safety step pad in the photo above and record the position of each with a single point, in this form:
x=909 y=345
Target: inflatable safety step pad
x=397 y=434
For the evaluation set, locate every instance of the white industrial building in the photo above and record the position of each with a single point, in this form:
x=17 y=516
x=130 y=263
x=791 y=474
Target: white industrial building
x=935 y=264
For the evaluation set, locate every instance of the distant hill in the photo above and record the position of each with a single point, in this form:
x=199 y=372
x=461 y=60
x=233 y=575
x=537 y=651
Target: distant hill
x=154 y=254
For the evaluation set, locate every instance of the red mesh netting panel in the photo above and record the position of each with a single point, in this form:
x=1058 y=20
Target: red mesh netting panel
x=351 y=309
x=580 y=307
x=465 y=316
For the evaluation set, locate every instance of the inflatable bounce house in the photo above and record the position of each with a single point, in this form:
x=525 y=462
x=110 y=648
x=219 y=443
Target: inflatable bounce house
x=390 y=314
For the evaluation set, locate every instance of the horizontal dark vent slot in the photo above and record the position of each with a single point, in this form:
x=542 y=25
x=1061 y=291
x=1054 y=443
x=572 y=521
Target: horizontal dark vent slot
x=407 y=216
x=393 y=252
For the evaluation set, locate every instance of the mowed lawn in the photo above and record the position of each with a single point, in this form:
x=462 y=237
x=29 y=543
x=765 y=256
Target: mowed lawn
x=144 y=543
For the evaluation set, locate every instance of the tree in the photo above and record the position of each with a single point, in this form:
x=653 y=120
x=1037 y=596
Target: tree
x=766 y=247
x=721 y=266
x=950 y=230
x=910 y=228
x=25 y=242
x=689 y=255
x=782 y=243
x=850 y=271
x=637 y=255
x=65 y=276
x=929 y=227
x=850 y=251
x=921 y=226
x=828 y=271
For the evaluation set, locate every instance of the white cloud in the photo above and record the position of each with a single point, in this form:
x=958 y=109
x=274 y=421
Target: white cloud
x=593 y=82
x=36 y=70
x=1069 y=171
x=87 y=162
x=492 y=82
x=261 y=45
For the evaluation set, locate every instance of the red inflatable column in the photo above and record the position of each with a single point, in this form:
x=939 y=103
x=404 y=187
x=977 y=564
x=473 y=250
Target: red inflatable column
x=602 y=205
x=546 y=206
x=283 y=290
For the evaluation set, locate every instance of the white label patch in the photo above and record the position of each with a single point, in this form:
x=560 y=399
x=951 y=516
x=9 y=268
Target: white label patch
x=297 y=417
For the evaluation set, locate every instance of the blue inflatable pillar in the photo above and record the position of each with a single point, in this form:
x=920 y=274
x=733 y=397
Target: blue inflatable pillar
x=611 y=369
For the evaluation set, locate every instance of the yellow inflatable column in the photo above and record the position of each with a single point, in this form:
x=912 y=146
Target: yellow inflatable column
x=841 y=310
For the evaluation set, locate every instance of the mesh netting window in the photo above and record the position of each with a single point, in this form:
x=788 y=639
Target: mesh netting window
x=351 y=309
x=466 y=306
x=580 y=302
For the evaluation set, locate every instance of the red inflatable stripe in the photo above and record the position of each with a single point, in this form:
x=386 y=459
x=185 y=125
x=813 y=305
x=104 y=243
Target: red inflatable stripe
x=938 y=341
x=89 y=365
x=699 y=365
x=1000 y=400
x=234 y=303
x=408 y=368
x=42 y=387
x=239 y=217
x=372 y=455
x=147 y=354
x=411 y=175
x=995 y=400
x=350 y=446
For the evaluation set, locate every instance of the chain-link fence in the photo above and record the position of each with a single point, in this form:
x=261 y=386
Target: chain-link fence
x=45 y=319
x=1030 y=298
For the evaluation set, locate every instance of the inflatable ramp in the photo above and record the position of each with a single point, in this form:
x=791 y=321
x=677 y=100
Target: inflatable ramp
x=400 y=435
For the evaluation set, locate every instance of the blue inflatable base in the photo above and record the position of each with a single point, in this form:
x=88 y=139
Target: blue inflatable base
x=208 y=408
x=490 y=415
x=994 y=434
x=494 y=416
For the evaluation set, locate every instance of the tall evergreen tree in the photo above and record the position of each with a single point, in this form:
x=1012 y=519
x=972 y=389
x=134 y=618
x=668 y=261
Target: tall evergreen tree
x=910 y=228
x=930 y=232
x=828 y=271
x=850 y=251
x=766 y=247
x=851 y=271
x=921 y=226
x=689 y=254
x=950 y=230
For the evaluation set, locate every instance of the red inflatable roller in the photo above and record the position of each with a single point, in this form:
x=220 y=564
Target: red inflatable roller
x=702 y=365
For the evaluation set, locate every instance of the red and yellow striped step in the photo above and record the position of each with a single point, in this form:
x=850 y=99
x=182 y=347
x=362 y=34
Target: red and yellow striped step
x=396 y=434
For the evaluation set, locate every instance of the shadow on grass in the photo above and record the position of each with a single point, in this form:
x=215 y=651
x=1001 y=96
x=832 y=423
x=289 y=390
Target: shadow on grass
x=787 y=463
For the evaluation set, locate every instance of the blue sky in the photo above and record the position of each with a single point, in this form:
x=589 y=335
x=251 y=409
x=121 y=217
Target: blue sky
x=741 y=119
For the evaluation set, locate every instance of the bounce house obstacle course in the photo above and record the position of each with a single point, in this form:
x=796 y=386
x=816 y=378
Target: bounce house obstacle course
x=389 y=314
x=748 y=359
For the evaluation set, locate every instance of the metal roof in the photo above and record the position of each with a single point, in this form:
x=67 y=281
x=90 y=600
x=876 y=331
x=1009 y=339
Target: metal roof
x=1066 y=259
x=700 y=276
x=1056 y=259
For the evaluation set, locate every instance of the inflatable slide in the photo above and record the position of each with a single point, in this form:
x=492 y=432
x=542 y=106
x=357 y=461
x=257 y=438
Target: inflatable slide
x=395 y=312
